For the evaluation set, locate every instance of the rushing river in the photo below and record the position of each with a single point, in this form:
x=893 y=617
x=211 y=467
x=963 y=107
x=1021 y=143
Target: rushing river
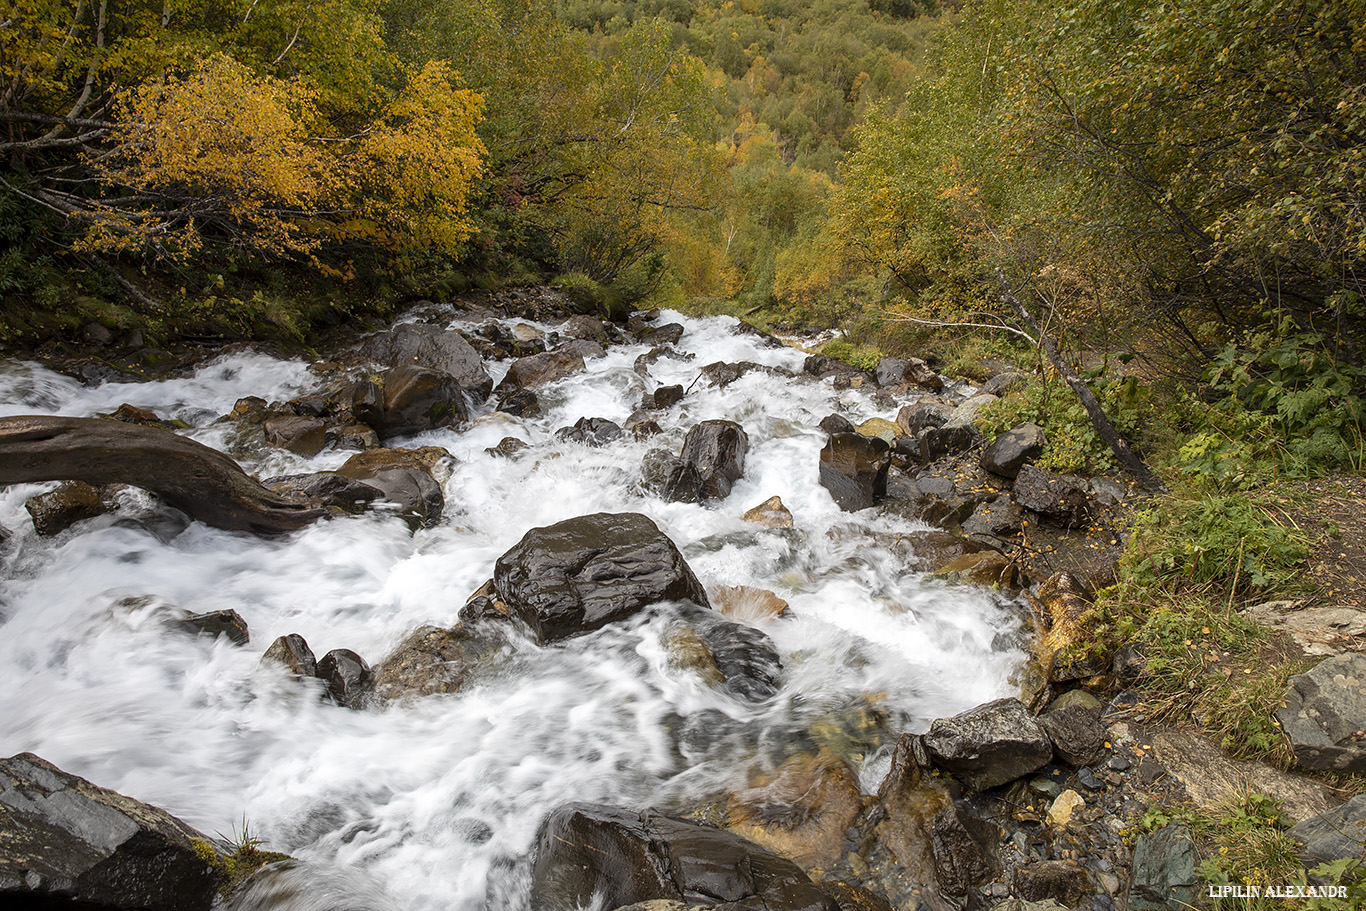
x=436 y=802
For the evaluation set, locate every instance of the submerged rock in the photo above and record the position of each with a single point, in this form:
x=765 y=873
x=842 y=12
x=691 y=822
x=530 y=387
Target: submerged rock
x=433 y=660
x=227 y=623
x=770 y=514
x=580 y=574
x=327 y=487
x=802 y=812
x=671 y=478
x=66 y=843
x=540 y=369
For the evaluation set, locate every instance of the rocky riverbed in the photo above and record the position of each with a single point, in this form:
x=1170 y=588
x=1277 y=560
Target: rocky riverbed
x=649 y=615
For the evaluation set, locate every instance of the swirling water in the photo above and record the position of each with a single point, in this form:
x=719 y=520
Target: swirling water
x=435 y=803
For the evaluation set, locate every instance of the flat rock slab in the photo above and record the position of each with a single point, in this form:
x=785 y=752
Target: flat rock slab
x=1320 y=632
x=1212 y=779
x=1324 y=715
x=63 y=839
x=1163 y=876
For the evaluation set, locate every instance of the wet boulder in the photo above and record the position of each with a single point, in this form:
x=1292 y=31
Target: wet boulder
x=418 y=399
x=305 y=436
x=1076 y=733
x=588 y=328
x=590 y=432
x=291 y=652
x=404 y=477
x=668 y=334
x=748 y=604
x=507 y=446
x=580 y=574
x=433 y=660
x=836 y=423
x=770 y=514
x=1059 y=499
x=350 y=681
x=327 y=488
x=588 y=854
x=1323 y=714
x=745 y=659
x=539 y=369
x=226 y=623
x=670 y=477
x=522 y=403
x=854 y=469
x=663 y=397
x=718 y=450
x=1012 y=449
x=990 y=745
x=66 y=843
x=433 y=348
x=59 y=509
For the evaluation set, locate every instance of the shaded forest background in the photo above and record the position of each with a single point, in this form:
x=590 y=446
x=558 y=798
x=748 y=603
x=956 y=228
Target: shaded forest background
x=1179 y=181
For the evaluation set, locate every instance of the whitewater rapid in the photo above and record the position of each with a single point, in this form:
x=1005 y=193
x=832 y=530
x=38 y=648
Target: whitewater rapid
x=435 y=803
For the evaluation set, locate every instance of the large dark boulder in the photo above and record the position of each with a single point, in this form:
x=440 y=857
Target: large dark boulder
x=66 y=843
x=418 y=399
x=580 y=574
x=350 y=681
x=592 y=855
x=854 y=469
x=989 y=745
x=404 y=478
x=1012 y=449
x=423 y=345
x=539 y=369
x=718 y=450
x=1059 y=499
x=670 y=478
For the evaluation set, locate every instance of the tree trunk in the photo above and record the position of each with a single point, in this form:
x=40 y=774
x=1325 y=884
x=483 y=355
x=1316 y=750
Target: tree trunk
x=1128 y=459
x=190 y=476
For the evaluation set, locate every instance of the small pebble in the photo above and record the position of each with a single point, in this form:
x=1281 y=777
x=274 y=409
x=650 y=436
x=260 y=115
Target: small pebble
x=1087 y=780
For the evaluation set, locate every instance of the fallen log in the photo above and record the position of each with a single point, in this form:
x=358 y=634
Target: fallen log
x=203 y=482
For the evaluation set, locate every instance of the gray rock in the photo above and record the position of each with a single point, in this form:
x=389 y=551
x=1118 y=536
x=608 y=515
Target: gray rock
x=836 y=423
x=1318 y=631
x=1076 y=733
x=583 y=573
x=998 y=518
x=1333 y=835
x=854 y=469
x=539 y=369
x=520 y=402
x=1163 y=876
x=68 y=843
x=1059 y=499
x=718 y=450
x=1002 y=383
x=585 y=327
x=670 y=477
x=923 y=415
x=591 y=432
x=588 y=854
x=328 y=488
x=1012 y=449
x=891 y=371
x=507 y=446
x=435 y=348
x=964 y=849
x=1324 y=715
x=989 y=745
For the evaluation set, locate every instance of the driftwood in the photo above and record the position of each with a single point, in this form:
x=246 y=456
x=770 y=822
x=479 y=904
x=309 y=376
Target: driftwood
x=1128 y=459
x=203 y=482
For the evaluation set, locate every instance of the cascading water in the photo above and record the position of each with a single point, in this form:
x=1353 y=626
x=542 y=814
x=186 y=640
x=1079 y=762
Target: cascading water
x=435 y=802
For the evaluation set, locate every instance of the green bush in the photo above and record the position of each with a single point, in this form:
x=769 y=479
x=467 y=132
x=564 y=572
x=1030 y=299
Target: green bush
x=860 y=356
